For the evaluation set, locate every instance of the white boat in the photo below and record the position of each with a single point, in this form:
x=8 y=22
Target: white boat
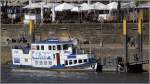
x=52 y=53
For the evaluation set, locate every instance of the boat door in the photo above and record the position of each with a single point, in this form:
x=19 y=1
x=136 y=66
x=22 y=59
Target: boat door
x=58 y=58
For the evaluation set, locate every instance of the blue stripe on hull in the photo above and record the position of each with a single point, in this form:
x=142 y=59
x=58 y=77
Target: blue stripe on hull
x=58 y=66
x=71 y=56
x=81 y=66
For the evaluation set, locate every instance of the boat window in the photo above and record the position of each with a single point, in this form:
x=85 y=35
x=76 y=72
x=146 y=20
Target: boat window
x=50 y=62
x=49 y=47
x=66 y=62
x=41 y=62
x=54 y=56
x=85 y=60
x=58 y=47
x=45 y=62
x=42 y=47
x=54 y=47
x=36 y=62
x=16 y=60
x=80 y=61
x=26 y=60
x=70 y=62
x=37 y=47
x=75 y=61
x=65 y=46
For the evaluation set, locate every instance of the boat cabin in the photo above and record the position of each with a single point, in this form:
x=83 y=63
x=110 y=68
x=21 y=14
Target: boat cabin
x=51 y=53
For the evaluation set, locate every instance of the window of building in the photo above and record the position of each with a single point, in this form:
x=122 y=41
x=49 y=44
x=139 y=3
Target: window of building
x=85 y=60
x=37 y=47
x=58 y=47
x=41 y=63
x=42 y=47
x=49 y=47
x=75 y=61
x=70 y=62
x=45 y=62
x=66 y=62
x=50 y=63
x=80 y=61
x=36 y=62
x=54 y=47
x=26 y=60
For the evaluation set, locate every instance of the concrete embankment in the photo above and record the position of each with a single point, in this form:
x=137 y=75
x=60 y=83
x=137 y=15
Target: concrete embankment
x=94 y=32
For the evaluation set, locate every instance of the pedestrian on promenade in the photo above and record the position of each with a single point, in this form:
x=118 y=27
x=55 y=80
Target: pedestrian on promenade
x=132 y=42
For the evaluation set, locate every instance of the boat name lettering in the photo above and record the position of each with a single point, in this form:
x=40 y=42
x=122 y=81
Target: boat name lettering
x=41 y=55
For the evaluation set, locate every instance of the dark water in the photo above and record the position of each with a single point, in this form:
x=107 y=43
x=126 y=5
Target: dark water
x=40 y=76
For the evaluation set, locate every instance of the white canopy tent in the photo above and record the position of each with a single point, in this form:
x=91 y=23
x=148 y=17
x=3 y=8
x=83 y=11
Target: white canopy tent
x=63 y=7
x=128 y=5
x=34 y=5
x=51 y=5
x=41 y=5
x=75 y=9
x=99 y=6
x=38 y=5
x=112 y=6
x=86 y=7
x=144 y=5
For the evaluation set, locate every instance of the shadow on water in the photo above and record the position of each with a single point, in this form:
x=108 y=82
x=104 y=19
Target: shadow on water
x=41 y=76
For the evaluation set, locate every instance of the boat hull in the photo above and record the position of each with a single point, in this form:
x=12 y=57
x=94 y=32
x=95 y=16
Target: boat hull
x=84 y=67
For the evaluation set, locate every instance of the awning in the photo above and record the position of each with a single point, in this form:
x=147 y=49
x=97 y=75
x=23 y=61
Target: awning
x=51 y=5
x=99 y=6
x=112 y=6
x=86 y=7
x=38 y=5
x=75 y=9
x=34 y=5
x=128 y=5
x=64 y=6
x=144 y=5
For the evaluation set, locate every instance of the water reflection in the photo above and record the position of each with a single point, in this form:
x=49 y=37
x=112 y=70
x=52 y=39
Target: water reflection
x=33 y=76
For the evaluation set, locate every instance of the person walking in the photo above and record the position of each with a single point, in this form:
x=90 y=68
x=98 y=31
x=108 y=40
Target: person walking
x=132 y=42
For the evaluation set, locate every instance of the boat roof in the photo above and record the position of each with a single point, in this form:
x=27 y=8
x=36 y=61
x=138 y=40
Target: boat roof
x=53 y=41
